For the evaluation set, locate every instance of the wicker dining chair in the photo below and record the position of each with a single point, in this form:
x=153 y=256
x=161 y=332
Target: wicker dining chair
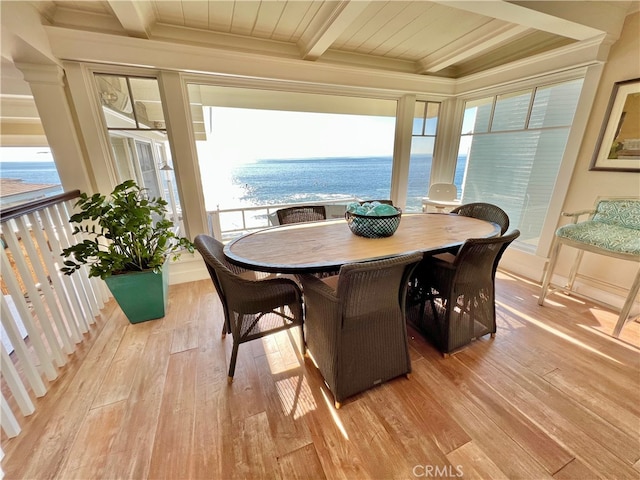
x=305 y=213
x=480 y=210
x=253 y=308
x=384 y=201
x=461 y=294
x=355 y=324
x=485 y=211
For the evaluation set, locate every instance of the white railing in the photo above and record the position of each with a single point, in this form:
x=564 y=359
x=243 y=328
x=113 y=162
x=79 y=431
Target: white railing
x=230 y=222
x=44 y=313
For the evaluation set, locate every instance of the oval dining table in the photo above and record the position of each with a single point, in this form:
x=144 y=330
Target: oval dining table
x=327 y=245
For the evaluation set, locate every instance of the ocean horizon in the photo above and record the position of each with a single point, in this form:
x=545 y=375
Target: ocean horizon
x=278 y=181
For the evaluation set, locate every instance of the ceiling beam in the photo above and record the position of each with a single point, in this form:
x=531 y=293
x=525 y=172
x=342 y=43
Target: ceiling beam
x=533 y=18
x=136 y=17
x=331 y=20
x=23 y=38
x=480 y=40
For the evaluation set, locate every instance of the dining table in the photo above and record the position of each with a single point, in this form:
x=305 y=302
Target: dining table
x=324 y=246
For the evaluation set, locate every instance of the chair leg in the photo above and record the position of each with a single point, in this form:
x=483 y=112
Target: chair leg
x=302 y=341
x=232 y=363
x=555 y=250
x=574 y=271
x=226 y=325
x=300 y=314
x=626 y=308
x=224 y=330
x=234 y=350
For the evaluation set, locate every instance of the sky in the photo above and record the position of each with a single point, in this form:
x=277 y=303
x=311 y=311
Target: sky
x=25 y=154
x=245 y=135
x=242 y=135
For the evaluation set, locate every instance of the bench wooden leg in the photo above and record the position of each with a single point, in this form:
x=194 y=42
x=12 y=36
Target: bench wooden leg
x=626 y=308
x=574 y=270
x=546 y=282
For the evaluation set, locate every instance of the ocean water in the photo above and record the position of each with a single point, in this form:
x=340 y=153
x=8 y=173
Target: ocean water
x=274 y=181
x=313 y=179
x=30 y=172
x=306 y=180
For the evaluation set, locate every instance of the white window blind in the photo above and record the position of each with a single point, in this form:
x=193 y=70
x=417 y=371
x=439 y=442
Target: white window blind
x=515 y=145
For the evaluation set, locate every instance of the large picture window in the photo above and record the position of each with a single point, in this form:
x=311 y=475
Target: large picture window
x=513 y=145
x=263 y=148
x=423 y=139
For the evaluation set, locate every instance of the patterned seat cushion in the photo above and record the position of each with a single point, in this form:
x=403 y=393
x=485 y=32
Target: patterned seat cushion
x=624 y=213
x=607 y=236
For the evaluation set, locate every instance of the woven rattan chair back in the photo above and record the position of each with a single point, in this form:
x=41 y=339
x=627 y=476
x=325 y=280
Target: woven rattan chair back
x=252 y=308
x=385 y=202
x=461 y=295
x=356 y=332
x=306 y=213
x=485 y=211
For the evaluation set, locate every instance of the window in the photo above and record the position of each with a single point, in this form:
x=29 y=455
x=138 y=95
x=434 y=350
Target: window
x=134 y=116
x=27 y=174
x=423 y=137
x=262 y=147
x=512 y=146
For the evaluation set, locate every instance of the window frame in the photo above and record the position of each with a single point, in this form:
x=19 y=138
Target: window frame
x=590 y=76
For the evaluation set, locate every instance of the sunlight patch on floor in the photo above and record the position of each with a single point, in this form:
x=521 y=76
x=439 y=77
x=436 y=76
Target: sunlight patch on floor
x=334 y=414
x=622 y=343
x=295 y=396
x=555 y=331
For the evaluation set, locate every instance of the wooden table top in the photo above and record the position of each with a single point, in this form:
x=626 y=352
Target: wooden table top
x=327 y=245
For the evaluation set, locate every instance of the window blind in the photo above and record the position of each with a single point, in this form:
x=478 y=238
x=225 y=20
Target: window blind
x=516 y=147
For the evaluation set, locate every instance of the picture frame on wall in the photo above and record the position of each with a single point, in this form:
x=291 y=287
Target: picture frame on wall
x=618 y=145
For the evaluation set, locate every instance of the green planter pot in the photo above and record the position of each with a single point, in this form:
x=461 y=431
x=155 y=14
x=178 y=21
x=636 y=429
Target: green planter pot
x=141 y=295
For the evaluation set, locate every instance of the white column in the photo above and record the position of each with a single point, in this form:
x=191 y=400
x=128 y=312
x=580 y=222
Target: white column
x=48 y=89
x=91 y=126
x=445 y=155
x=175 y=100
x=402 y=150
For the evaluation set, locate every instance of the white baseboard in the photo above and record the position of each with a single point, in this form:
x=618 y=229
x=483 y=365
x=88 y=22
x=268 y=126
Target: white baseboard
x=532 y=267
x=189 y=268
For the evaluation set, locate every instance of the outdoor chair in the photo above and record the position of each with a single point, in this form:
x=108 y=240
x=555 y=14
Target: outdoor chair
x=441 y=196
x=461 y=293
x=306 y=213
x=253 y=308
x=355 y=324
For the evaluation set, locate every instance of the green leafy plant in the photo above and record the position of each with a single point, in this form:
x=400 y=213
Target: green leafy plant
x=129 y=233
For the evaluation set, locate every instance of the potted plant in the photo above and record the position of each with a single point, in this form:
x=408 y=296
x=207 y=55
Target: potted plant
x=127 y=243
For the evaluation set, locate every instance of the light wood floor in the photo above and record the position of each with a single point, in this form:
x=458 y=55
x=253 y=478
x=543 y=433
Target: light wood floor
x=553 y=395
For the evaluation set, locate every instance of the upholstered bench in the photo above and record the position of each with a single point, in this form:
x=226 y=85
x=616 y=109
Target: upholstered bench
x=612 y=229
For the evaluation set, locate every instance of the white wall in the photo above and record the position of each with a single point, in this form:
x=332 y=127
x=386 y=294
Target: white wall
x=604 y=275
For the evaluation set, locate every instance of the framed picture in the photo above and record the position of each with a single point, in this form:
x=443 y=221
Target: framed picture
x=618 y=146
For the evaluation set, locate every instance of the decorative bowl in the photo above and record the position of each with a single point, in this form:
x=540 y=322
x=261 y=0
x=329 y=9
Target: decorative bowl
x=371 y=226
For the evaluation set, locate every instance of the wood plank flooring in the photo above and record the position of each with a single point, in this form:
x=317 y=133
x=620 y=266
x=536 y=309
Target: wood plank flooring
x=551 y=396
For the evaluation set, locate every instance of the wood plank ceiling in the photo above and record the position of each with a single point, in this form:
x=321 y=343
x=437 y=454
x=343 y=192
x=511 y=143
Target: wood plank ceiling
x=442 y=38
